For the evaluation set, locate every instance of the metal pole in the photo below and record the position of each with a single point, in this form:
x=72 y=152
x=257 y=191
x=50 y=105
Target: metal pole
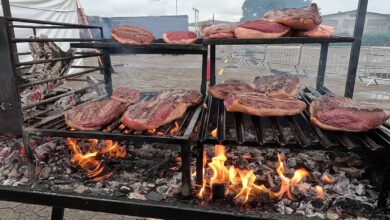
x=176 y=7
x=355 y=50
x=322 y=66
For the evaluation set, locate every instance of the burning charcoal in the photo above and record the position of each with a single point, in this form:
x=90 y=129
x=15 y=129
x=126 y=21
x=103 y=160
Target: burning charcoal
x=98 y=185
x=342 y=186
x=353 y=207
x=23 y=170
x=360 y=190
x=319 y=205
x=301 y=190
x=283 y=209
x=218 y=191
x=292 y=162
x=316 y=214
x=311 y=164
x=9 y=182
x=137 y=196
x=351 y=172
x=124 y=189
x=5 y=152
x=42 y=152
x=331 y=215
x=151 y=185
x=45 y=172
x=162 y=189
x=154 y=196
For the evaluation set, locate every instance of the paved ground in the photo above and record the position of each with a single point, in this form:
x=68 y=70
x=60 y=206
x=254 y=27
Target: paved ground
x=155 y=72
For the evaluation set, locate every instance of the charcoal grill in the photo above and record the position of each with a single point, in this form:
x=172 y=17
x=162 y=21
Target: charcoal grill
x=292 y=132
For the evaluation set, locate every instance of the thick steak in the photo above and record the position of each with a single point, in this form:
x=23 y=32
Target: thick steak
x=260 y=29
x=126 y=34
x=305 y=18
x=126 y=95
x=166 y=107
x=277 y=85
x=221 y=90
x=95 y=114
x=254 y=103
x=343 y=114
x=179 y=37
x=218 y=31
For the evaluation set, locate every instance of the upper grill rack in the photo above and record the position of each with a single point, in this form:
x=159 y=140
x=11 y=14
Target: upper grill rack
x=173 y=133
x=294 y=132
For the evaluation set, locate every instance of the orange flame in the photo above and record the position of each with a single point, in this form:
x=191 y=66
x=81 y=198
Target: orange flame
x=247 y=179
x=220 y=172
x=112 y=150
x=320 y=192
x=151 y=131
x=287 y=183
x=122 y=126
x=203 y=188
x=174 y=130
x=327 y=179
x=214 y=133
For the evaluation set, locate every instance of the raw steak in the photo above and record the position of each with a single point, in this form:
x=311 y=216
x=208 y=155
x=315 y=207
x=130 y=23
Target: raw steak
x=95 y=114
x=221 y=90
x=305 y=18
x=277 y=86
x=218 y=31
x=319 y=31
x=260 y=29
x=131 y=35
x=179 y=37
x=343 y=114
x=125 y=95
x=164 y=108
x=254 y=103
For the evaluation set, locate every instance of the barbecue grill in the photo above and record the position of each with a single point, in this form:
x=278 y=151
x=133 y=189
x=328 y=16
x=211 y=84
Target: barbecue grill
x=294 y=132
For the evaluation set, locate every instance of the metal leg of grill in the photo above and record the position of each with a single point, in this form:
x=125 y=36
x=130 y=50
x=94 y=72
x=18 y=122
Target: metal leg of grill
x=57 y=213
x=385 y=192
x=29 y=156
x=199 y=164
x=186 y=170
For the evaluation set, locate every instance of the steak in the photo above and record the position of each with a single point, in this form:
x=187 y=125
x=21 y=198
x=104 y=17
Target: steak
x=319 y=31
x=284 y=85
x=126 y=95
x=343 y=114
x=94 y=115
x=218 y=31
x=126 y=34
x=179 y=37
x=260 y=29
x=306 y=18
x=258 y=104
x=221 y=90
x=166 y=107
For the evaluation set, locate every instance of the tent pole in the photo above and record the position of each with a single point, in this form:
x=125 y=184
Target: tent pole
x=6 y=8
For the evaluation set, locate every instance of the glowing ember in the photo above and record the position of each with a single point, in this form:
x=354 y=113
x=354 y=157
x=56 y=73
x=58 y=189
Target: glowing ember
x=122 y=126
x=327 y=179
x=174 y=130
x=151 y=131
x=214 y=133
x=286 y=182
x=320 y=192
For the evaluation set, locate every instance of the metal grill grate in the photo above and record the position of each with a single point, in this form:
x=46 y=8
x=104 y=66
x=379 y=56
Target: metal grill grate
x=294 y=132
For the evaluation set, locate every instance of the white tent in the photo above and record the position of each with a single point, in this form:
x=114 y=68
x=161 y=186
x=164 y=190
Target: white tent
x=48 y=10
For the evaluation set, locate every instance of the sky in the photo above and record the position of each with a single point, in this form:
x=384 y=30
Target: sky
x=229 y=10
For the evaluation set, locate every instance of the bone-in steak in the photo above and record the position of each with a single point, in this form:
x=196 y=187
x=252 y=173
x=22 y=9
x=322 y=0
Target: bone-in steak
x=254 y=103
x=166 y=107
x=343 y=114
x=221 y=90
x=305 y=18
x=95 y=114
x=125 y=95
x=126 y=34
x=277 y=85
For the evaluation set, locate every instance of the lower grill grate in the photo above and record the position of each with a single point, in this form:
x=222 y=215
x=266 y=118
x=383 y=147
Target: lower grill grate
x=293 y=132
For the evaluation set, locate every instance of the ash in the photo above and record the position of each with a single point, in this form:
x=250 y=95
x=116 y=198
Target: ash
x=349 y=196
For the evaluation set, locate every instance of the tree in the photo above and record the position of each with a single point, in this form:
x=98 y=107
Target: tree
x=254 y=9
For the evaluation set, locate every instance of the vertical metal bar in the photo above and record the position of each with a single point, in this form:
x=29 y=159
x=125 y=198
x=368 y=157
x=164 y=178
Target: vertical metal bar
x=385 y=191
x=186 y=170
x=29 y=156
x=107 y=71
x=199 y=163
x=322 y=65
x=57 y=213
x=212 y=65
x=355 y=49
x=204 y=74
x=11 y=117
x=7 y=13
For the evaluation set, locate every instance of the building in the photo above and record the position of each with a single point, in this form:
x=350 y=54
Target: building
x=155 y=24
x=344 y=22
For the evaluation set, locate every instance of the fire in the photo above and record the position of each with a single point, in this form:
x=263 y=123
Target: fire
x=151 y=131
x=112 y=150
x=327 y=179
x=122 y=126
x=203 y=188
x=89 y=160
x=287 y=183
x=320 y=192
x=220 y=172
x=174 y=130
x=214 y=133
x=247 y=179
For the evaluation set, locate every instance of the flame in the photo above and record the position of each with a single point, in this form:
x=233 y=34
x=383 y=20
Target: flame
x=220 y=172
x=112 y=150
x=122 y=126
x=247 y=179
x=214 y=133
x=203 y=188
x=151 y=131
x=287 y=183
x=320 y=192
x=174 y=130
x=327 y=179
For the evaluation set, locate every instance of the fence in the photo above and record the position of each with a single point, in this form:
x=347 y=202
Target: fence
x=374 y=63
